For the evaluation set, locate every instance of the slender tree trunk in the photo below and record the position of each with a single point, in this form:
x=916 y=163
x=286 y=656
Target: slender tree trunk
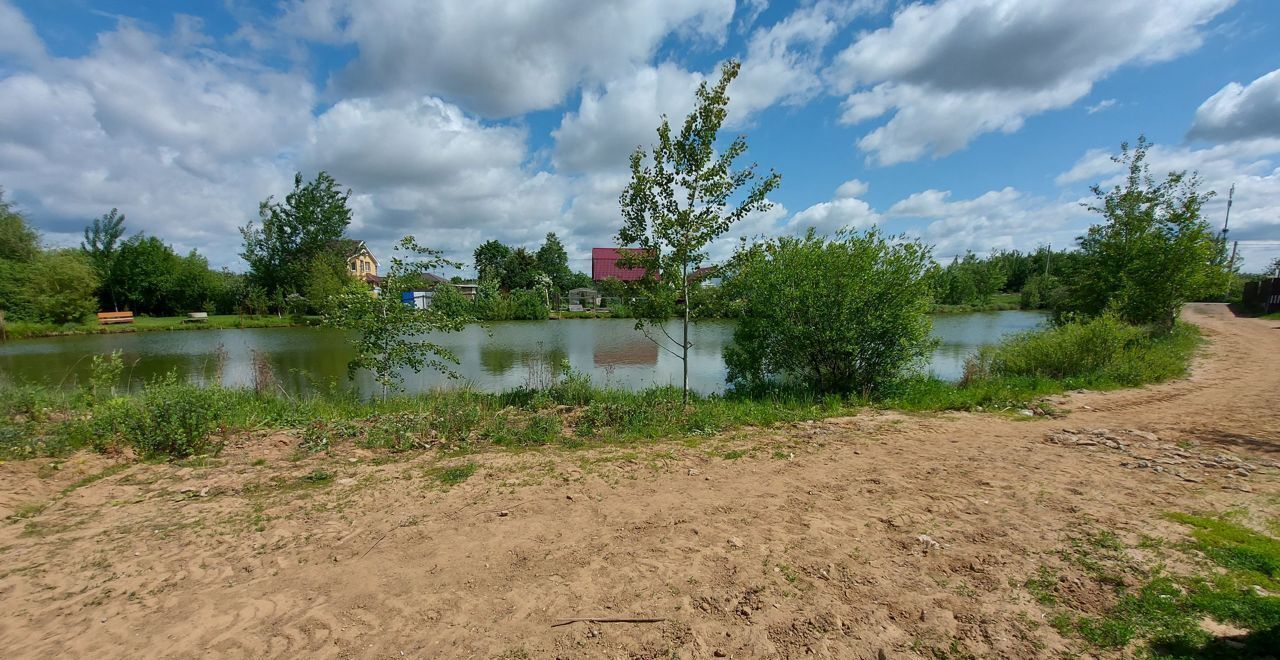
x=685 y=341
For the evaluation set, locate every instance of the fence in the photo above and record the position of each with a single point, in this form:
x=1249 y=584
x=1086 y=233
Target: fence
x=1263 y=295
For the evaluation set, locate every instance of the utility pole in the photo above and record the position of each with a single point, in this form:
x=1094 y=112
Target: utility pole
x=1230 y=194
x=1234 y=246
x=1048 y=254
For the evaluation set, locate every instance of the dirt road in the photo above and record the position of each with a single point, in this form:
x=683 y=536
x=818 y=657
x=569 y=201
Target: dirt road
x=787 y=542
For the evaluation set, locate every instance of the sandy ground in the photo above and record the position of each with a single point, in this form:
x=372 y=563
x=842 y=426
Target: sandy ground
x=785 y=542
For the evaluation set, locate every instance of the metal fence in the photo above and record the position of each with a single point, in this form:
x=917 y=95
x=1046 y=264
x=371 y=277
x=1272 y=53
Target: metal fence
x=1263 y=295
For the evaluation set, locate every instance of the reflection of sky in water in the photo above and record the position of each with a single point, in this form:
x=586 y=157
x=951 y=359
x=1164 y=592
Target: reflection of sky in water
x=506 y=356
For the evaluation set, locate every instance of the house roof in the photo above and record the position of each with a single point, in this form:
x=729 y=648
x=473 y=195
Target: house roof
x=604 y=264
x=350 y=247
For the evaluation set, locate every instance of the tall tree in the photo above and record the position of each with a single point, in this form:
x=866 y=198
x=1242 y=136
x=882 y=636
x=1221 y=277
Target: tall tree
x=520 y=270
x=682 y=196
x=101 y=240
x=145 y=268
x=489 y=259
x=1153 y=250
x=553 y=261
x=294 y=232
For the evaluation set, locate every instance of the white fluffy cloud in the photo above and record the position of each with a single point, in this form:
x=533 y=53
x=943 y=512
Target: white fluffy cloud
x=1241 y=112
x=610 y=123
x=955 y=69
x=495 y=57
x=995 y=220
x=17 y=37
x=780 y=66
x=183 y=144
x=844 y=211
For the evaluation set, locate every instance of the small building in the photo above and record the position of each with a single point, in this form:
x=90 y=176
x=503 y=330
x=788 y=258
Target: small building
x=582 y=297
x=604 y=264
x=468 y=291
x=417 y=299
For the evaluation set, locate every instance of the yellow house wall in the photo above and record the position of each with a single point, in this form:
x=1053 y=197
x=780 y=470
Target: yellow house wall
x=361 y=265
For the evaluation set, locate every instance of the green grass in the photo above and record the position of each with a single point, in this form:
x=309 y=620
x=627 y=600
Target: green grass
x=1162 y=614
x=999 y=302
x=27 y=330
x=452 y=476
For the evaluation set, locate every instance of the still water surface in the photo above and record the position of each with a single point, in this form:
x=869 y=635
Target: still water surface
x=506 y=356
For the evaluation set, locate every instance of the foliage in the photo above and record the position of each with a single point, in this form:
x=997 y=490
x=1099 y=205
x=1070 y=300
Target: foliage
x=390 y=334
x=61 y=287
x=553 y=261
x=294 y=233
x=101 y=240
x=1102 y=350
x=489 y=260
x=1038 y=292
x=449 y=302
x=490 y=304
x=18 y=240
x=327 y=276
x=680 y=200
x=170 y=419
x=519 y=270
x=527 y=305
x=970 y=281
x=854 y=332
x=1152 y=252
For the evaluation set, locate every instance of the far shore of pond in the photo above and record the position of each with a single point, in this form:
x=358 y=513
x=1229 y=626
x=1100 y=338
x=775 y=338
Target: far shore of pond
x=14 y=330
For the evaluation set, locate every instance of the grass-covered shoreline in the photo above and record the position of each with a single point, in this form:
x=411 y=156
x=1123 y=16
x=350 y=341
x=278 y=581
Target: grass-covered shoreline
x=32 y=330
x=167 y=418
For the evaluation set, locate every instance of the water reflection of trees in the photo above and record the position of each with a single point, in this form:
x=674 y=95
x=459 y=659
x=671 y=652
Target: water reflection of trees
x=497 y=360
x=627 y=353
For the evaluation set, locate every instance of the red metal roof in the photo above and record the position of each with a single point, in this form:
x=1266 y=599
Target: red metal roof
x=604 y=264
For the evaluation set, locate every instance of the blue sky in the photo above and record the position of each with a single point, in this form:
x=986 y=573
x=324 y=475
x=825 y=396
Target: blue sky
x=973 y=124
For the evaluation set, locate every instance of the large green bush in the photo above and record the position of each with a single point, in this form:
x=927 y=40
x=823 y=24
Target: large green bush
x=170 y=419
x=834 y=315
x=528 y=305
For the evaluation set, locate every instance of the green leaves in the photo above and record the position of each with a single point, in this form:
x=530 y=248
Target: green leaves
x=295 y=232
x=682 y=196
x=390 y=336
x=844 y=315
x=1152 y=252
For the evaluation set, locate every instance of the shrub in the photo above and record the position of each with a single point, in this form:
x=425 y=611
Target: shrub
x=1103 y=350
x=528 y=305
x=842 y=315
x=170 y=419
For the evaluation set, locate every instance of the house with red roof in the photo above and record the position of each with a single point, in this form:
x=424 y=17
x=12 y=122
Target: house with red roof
x=604 y=264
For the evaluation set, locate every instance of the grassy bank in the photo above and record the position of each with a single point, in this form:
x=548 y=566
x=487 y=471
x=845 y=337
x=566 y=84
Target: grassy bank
x=169 y=418
x=28 y=330
x=1001 y=302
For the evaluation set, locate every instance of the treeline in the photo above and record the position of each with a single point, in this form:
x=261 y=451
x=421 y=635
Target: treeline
x=108 y=271
x=39 y=284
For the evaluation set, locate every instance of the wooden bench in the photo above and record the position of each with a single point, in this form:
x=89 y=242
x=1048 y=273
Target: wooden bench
x=107 y=318
x=196 y=317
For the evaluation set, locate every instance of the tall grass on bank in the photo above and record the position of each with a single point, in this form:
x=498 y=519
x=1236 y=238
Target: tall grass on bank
x=1099 y=354
x=169 y=418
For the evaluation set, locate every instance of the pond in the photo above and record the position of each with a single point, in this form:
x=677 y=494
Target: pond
x=506 y=356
